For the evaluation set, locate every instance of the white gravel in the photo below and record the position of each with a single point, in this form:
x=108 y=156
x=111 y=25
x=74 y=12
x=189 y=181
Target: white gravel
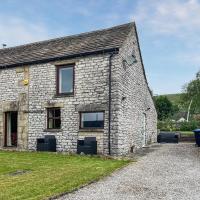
x=170 y=172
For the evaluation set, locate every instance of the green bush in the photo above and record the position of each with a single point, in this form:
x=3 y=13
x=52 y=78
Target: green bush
x=189 y=126
x=166 y=125
x=169 y=125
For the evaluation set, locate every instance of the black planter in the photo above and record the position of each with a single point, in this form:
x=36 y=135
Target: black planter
x=48 y=143
x=87 y=146
x=167 y=137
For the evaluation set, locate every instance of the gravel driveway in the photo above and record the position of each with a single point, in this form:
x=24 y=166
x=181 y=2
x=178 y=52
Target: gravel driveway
x=169 y=171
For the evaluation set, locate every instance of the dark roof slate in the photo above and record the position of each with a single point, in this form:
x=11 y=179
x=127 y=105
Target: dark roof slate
x=65 y=46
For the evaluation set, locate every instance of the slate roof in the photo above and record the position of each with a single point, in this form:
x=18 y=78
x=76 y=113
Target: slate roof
x=105 y=39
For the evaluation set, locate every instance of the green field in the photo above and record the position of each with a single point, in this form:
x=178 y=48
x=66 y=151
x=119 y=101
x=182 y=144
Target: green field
x=34 y=176
x=174 y=98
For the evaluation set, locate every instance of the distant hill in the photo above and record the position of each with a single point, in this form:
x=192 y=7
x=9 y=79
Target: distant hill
x=174 y=98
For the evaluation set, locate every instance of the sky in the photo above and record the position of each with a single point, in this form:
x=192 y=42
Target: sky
x=169 y=30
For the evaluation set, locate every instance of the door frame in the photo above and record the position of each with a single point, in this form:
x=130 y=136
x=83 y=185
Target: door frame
x=6 y=129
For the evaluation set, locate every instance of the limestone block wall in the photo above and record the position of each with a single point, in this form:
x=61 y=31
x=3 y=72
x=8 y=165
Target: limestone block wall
x=136 y=100
x=90 y=94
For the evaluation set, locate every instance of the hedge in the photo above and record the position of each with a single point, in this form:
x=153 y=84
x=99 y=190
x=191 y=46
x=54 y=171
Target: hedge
x=169 y=125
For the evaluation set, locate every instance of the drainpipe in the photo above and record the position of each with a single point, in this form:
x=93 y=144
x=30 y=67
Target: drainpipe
x=110 y=103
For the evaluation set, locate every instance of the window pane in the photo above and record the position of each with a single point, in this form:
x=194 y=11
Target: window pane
x=66 y=80
x=92 y=120
x=54 y=121
x=57 y=123
x=50 y=113
x=57 y=112
x=50 y=123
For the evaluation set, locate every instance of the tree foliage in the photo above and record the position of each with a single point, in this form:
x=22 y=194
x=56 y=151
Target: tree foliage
x=191 y=92
x=169 y=125
x=164 y=107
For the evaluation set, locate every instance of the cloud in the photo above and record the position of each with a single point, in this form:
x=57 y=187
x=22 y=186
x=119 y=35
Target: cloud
x=180 y=18
x=16 y=31
x=172 y=25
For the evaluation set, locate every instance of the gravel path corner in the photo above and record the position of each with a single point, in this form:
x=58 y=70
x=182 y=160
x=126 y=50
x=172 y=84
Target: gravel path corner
x=168 y=171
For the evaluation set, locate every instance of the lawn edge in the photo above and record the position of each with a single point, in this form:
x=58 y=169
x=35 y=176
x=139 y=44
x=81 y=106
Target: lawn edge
x=89 y=183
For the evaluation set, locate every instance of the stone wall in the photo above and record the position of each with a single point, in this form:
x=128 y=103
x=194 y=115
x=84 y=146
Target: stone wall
x=135 y=100
x=90 y=94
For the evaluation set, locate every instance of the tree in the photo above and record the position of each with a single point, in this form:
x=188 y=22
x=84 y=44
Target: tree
x=164 y=107
x=191 y=96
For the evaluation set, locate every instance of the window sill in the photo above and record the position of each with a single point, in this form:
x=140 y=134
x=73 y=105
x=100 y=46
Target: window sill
x=9 y=147
x=53 y=130
x=63 y=95
x=91 y=130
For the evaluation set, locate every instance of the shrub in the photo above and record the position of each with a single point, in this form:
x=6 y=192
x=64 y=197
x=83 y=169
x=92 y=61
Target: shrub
x=169 y=125
x=189 y=126
x=166 y=125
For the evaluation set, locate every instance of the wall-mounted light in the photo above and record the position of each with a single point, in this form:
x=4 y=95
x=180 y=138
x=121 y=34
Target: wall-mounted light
x=130 y=59
x=25 y=81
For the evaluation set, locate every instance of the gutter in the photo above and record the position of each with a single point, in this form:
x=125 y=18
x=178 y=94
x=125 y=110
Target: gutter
x=46 y=60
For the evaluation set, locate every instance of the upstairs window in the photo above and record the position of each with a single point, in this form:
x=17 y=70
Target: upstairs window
x=91 y=120
x=53 y=118
x=65 y=79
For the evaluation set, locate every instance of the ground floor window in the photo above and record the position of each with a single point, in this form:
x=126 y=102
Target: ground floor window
x=91 y=119
x=53 y=118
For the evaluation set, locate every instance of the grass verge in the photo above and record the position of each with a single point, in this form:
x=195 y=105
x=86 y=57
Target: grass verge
x=186 y=133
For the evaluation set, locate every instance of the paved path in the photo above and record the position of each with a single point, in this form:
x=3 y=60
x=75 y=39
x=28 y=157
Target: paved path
x=170 y=172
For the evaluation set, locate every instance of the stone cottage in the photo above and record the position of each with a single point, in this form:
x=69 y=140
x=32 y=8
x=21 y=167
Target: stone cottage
x=90 y=84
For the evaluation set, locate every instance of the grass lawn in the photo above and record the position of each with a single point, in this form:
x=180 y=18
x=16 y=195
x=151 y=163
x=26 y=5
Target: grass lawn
x=49 y=174
x=187 y=133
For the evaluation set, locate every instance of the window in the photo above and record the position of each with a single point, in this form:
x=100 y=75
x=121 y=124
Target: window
x=65 y=79
x=53 y=118
x=91 y=120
